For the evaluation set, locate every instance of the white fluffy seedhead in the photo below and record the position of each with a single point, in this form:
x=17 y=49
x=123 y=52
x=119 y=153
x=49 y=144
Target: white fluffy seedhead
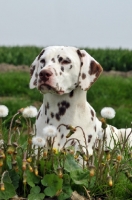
x=90 y=70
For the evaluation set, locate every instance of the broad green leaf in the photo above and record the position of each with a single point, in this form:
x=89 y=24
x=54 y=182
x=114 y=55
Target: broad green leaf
x=32 y=179
x=35 y=194
x=50 y=191
x=8 y=192
x=66 y=193
x=15 y=178
x=70 y=163
x=35 y=190
x=52 y=180
x=53 y=183
x=80 y=177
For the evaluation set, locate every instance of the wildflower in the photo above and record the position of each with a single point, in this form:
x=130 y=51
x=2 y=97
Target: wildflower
x=119 y=157
x=2 y=186
x=108 y=112
x=55 y=151
x=36 y=170
x=30 y=168
x=38 y=141
x=110 y=182
x=50 y=131
x=10 y=149
x=1 y=162
x=24 y=164
x=60 y=172
x=29 y=160
x=30 y=112
x=92 y=170
x=3 y=111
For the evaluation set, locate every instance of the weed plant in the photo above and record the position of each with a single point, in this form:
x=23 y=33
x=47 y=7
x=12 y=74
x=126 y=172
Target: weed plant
x=35 y=171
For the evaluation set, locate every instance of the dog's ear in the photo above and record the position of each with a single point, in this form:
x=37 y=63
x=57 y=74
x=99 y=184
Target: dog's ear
x=34 y=74
x=90 y=70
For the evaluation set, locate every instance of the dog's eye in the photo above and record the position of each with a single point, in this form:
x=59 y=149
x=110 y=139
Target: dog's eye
x=65 y=62
x=42 y=61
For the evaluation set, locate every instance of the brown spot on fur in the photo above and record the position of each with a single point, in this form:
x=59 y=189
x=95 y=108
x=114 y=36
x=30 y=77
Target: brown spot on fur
x=92 y=113
x=35 y=82
x=83 y=76
x=57 y=116
x=62 y=110
x=79 y=53
x=47 y=105
x=38 y=114
x=62 y=136
x=71 y=93
x=41 y=53
x=62 y=68
x=95 y=68
x=47 y=120
x=45 y=110
x=89 y=138
x=52 y=114
x=95 y=128
x=32 y=68
x=53 y=60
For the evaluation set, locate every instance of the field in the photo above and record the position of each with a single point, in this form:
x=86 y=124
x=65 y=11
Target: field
x=111 y=89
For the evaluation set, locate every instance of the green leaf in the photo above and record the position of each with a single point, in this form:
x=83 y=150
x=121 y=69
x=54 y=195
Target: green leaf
x=32 y=179
x=70 y=163
x=66 y=193
x=53 y=183
x=9 y=191
x=35 y=190
x=80 y=177
x=15 y=178
x=50 y=191
x=35 y=194
x=8 y=161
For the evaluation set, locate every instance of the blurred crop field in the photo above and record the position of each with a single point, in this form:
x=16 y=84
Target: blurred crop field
x=109 y=90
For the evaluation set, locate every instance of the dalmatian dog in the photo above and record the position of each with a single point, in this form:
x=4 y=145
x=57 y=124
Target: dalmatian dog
x=63 y=75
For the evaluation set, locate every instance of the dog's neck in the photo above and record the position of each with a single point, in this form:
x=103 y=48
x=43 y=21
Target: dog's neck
x=73 y=98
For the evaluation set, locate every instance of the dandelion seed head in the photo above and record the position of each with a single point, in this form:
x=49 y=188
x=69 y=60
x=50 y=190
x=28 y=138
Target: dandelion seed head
x=3 y=111
x=30 y=112
x=38 y=141
x=50 y=131
x=108 y=112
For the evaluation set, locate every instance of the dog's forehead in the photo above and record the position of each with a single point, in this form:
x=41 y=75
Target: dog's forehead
x=57 y=51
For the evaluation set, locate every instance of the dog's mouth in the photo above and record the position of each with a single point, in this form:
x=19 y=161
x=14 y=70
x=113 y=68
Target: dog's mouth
x=47 y=88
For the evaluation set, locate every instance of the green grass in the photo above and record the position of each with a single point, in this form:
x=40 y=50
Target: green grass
x=110 y=91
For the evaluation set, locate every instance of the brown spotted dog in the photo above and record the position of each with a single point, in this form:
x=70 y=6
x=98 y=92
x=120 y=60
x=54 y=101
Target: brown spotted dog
x=63 y=75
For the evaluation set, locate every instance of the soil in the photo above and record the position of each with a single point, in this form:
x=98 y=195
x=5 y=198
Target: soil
x=8 y=68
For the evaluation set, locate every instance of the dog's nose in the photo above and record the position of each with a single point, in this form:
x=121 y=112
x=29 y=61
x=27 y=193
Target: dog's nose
x=45 y=74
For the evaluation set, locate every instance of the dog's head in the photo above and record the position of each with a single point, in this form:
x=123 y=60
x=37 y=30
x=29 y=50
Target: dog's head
x=60 y=70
